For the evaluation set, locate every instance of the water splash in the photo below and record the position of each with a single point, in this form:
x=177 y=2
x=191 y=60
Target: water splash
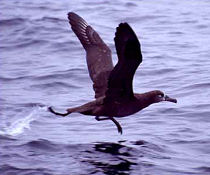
x=18 y=126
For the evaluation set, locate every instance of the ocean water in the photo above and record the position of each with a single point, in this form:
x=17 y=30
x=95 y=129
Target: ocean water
x=43 y=64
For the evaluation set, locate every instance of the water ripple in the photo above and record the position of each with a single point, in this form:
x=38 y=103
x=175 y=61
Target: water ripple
x=42 y=62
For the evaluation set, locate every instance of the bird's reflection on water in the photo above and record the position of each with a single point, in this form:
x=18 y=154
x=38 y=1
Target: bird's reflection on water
x=113 y=158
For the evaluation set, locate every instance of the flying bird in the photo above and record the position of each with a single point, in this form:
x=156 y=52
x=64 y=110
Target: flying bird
x=114 y=96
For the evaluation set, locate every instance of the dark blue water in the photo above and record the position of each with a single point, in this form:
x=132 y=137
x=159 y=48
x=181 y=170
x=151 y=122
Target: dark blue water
x=43 y=64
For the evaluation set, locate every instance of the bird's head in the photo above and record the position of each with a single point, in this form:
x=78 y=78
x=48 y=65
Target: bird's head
x=158 y=96
x=151 y=97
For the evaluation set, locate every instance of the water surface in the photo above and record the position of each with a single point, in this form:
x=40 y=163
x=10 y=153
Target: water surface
x=43 y=64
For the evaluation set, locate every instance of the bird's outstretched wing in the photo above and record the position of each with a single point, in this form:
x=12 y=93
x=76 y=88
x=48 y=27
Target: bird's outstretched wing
x=98 y=54
x=129 y=57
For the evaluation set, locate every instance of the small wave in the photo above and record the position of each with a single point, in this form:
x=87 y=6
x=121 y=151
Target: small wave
x=13 y=21
x=6 y=79
x=32 y=105
x=164 y=71
x=30 y=43
x=204 y=169
x=8 y=169
x=53 y=19
x=5 y=138
x=202 y=26
x=53 y=85
x=59 y=74
x=18 y=126
x=43 y=144
x=131 y=4
x=198 y=85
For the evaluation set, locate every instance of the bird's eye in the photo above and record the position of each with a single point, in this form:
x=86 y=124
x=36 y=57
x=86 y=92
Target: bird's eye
x=160 y=95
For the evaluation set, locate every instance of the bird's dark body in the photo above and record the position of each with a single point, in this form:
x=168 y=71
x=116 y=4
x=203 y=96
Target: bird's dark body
x=124 y=108
x=112 y=85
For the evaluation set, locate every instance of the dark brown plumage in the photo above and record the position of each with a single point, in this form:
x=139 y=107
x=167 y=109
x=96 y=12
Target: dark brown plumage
x=112 y=85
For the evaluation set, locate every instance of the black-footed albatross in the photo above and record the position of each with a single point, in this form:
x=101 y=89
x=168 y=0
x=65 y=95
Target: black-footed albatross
x=114 y=96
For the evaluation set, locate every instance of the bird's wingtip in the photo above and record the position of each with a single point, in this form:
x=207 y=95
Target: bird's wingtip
x=69 y=14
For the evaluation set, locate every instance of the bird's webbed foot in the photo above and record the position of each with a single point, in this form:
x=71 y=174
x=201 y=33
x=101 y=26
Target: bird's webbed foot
x=57 y=113
x=119 y=128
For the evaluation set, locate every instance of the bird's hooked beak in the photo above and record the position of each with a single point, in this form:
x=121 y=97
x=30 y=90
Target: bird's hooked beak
x=167 y=98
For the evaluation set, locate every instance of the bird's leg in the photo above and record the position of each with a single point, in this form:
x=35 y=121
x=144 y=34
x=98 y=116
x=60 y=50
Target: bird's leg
x=119 y=128
x=57 y=113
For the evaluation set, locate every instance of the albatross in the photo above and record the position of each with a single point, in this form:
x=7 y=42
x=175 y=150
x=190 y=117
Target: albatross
x=114 y=96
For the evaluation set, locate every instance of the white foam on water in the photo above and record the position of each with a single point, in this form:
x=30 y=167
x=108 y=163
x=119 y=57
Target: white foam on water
x=18 y=126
